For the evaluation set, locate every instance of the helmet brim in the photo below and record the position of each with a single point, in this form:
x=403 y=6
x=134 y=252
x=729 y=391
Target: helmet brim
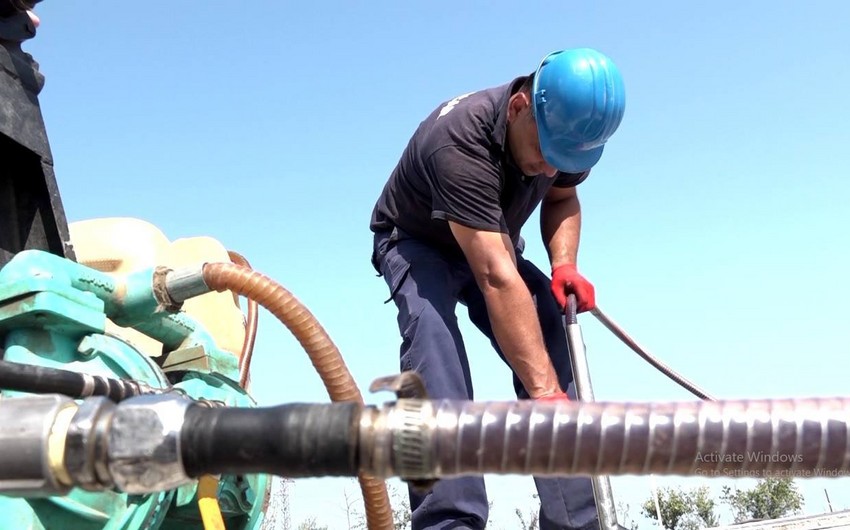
x=569 y=160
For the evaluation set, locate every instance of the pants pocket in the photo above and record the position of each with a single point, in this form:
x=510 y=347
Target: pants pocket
x=395 y=270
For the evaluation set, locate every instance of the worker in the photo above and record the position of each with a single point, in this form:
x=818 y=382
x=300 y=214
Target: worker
x=447 y=230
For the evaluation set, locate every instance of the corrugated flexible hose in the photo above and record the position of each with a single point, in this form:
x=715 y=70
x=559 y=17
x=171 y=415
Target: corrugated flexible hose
x=800 y=437
x=422 y=440
x=323 y=353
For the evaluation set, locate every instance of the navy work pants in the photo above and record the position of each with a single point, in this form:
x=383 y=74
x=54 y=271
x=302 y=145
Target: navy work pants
x=426 y=286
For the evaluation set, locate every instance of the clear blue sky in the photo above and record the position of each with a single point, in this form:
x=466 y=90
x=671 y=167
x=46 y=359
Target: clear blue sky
x=712 y=225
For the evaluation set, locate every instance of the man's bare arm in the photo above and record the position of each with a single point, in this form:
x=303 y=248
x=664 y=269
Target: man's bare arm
x=560 y=225
x=510 y=307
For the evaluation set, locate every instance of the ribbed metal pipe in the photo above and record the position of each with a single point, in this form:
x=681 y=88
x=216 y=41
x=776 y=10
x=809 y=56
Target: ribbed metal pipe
x=808 y=437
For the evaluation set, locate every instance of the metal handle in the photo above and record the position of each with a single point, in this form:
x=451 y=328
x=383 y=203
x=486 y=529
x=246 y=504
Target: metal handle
x=571 y=311
x=584 y=391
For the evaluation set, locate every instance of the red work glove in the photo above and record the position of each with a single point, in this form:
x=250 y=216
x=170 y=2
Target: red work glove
x=560 y=396
x=566 y=280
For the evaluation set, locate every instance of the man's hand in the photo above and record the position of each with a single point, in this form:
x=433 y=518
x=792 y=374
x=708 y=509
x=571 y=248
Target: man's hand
x=558 y=396
x=566 y=280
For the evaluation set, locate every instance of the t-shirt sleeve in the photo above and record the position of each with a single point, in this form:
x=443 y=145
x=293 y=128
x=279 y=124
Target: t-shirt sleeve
x=466 y=189
x=570 y=180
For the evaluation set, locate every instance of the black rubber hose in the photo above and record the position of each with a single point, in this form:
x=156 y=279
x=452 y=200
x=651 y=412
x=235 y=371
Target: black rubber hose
x=44 y=380
x=293 y=440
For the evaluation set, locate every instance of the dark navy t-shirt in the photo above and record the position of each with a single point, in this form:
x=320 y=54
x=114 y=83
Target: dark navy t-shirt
x=458 y=167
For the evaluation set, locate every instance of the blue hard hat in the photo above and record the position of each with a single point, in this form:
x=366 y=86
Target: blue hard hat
x=578 y=100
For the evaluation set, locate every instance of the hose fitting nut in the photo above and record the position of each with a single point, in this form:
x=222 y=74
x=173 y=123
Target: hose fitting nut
x=184 y=283
x=85 y=444
x=144 y=443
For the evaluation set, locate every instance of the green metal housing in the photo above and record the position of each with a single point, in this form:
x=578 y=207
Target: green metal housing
x=53 y=312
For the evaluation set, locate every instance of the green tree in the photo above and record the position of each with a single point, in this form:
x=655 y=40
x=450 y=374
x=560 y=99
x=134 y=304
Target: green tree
x=771 y=498
x=703 y=508
x=683 y=510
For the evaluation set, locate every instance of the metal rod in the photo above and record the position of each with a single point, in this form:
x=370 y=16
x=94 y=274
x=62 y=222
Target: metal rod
x=584 y=391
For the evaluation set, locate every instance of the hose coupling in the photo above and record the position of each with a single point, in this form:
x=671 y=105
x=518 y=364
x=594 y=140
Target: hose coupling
x=172 y=287
x=144 y=444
